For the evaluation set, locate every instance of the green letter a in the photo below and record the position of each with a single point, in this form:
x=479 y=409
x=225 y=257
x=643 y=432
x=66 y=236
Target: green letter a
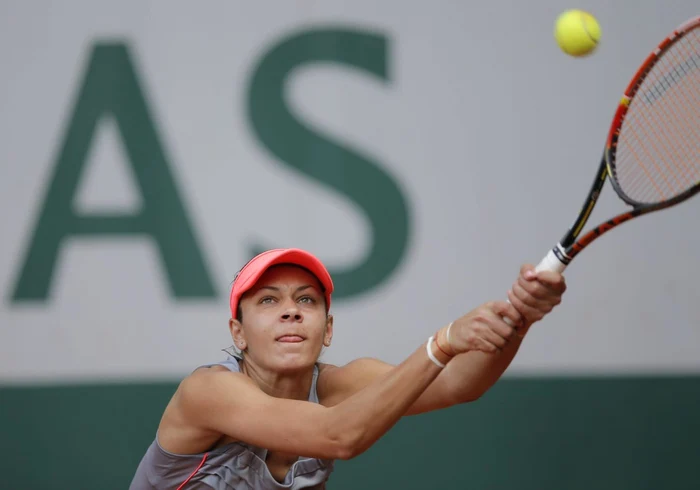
x=110 y=87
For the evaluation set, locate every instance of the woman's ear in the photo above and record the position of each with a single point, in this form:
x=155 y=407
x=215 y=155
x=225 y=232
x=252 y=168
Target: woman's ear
x=236 y=329
x=328 y=334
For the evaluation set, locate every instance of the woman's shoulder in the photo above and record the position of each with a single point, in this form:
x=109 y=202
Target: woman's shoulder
x=324 y=368
x=354 y=367
x=201 y=385
x=215 y=368
x=335 y=383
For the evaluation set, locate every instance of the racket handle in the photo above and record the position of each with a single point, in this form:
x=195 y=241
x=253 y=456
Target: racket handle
x=551 y=262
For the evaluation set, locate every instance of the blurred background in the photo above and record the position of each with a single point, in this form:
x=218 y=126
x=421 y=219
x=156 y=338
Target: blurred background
x=423 y=150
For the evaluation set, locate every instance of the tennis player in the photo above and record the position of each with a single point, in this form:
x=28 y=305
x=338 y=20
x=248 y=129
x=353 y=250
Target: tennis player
x=272 y=417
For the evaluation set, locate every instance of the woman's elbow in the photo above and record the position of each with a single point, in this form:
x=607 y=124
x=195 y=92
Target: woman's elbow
x=350 y=450
x=348 y=444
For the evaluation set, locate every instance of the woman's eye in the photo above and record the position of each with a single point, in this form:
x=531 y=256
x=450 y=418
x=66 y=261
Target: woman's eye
x=306 y=299
x=267 y=300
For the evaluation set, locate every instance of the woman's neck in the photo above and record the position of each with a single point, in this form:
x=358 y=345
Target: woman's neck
x=294 y=386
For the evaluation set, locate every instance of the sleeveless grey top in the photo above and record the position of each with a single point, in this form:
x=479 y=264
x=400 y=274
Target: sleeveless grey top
x=230 y=467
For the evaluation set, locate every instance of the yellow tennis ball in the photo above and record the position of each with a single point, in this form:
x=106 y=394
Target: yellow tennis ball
x=577 y=32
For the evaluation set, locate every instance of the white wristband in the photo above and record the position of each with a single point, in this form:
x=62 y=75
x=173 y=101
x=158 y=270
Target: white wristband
x=449 y=327
x=431 y=355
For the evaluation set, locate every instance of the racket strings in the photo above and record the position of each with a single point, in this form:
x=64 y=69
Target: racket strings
x=683 y=117
x=668 y=139
x=687 y=122
x=658 y=148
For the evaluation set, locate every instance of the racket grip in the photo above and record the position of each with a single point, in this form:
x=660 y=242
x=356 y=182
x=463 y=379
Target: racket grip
x=551 y=262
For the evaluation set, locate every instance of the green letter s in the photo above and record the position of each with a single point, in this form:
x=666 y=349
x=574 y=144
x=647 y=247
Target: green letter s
x=328 y=162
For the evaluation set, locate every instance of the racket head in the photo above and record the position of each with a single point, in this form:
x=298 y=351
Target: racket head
x=657 y=117
x=653 y=147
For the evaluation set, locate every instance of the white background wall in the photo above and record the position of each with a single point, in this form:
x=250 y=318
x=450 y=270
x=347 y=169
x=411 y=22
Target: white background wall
x=492 y=132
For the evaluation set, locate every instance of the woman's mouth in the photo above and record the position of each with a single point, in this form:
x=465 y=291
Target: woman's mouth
x=290 y=339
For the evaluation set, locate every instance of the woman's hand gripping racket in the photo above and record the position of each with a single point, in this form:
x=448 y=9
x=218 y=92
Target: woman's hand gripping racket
x=652 y=153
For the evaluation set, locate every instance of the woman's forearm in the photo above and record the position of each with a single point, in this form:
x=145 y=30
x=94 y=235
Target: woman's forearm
x=364 y=417
x=469 y=375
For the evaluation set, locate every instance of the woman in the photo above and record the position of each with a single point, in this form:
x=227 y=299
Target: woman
x=272 y=417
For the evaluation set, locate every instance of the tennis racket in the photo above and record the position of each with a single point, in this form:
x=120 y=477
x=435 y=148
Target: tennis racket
x=652 y=152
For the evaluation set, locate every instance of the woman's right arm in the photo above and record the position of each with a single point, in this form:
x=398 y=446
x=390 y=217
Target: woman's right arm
x=232 y=404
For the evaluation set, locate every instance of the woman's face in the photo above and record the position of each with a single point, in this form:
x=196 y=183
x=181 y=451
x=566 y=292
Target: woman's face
x=284 y=323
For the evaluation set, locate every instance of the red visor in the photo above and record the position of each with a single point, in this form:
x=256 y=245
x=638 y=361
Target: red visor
x=251 y=272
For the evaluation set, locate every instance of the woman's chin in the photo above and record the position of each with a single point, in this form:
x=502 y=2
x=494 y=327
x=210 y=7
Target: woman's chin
x=293 y=361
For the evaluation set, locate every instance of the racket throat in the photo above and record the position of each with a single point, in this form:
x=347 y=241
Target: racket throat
x=567 y=241
x=560 y=253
